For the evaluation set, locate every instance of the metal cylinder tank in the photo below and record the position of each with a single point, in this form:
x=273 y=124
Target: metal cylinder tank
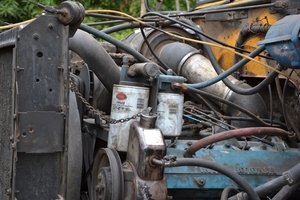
x=126 y=102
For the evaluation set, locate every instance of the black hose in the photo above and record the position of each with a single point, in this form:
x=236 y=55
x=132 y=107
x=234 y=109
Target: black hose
x=245 y=32
x=291 y=177
x=96 y=57
x=105 y=23
x=286 y=192
x=229 y=84
x=283 y=101
x=221 y=169
x=115 y=42
x=165 y=67
x=120 y=27
x=190 y=25
x=227 y=191
x=219 y=70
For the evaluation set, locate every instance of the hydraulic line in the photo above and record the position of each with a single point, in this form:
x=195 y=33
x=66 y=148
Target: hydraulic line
x=105 y=23
x=120 y=27
x=254 y=117
x=235 y=133
x=114 y=41
x=280 y=124
x=222 y=75
x=245 y=32
x=209 y=11
x=225 y=46
x=214 y=166
x=238 y=65
x=191 y=25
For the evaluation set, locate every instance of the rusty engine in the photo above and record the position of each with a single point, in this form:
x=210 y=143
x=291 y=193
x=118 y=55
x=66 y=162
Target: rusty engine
x=198 y=104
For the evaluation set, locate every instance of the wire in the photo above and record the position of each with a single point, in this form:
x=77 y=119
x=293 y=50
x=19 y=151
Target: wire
x=151 y=50
x=258 y=120
x=283 y=101
x=271 y=100
x=189 y=39
x=203 y=100
x=197 y=31
x=281 y=125
x=16 y=24
x=107 y=16
x=176 y=36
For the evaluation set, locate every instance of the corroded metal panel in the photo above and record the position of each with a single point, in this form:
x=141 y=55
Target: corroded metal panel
x=7 y=40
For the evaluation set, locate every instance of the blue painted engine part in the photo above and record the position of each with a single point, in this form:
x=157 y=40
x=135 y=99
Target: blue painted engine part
x=282 y=41
x=257 y=165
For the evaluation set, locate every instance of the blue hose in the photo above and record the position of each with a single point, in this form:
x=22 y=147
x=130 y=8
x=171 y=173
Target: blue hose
x=229 y=71
x=114 y=41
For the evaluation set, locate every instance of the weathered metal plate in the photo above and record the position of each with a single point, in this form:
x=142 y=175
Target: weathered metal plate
x=6 y=120
x=38 y=176
x=41 y=132
x=7 y=76
x=227 y=16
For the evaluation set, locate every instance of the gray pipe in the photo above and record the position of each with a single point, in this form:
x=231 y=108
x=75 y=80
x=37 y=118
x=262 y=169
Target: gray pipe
x=98 y=60
x=185 y=60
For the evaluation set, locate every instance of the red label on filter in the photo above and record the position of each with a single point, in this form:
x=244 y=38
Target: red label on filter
x=121 y=96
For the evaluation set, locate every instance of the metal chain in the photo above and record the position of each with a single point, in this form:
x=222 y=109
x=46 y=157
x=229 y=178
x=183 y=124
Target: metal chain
x=108 y=120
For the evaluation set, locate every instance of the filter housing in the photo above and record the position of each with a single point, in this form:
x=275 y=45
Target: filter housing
x=126 y=102
x=169 y=113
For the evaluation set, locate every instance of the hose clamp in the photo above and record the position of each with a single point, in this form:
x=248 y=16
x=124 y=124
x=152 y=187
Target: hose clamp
x=184 y=59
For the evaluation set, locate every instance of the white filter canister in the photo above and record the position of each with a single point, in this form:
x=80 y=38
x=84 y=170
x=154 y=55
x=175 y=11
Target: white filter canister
x=169 y=113
x=126 y=102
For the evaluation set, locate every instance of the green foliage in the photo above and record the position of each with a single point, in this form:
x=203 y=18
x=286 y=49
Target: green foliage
x=13 y=11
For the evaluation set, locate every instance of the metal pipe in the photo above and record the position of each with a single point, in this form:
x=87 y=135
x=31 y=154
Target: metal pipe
x=233 y=134
x=185 y=60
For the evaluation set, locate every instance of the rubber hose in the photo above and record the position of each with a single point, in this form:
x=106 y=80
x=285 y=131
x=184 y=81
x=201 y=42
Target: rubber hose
x=275 y=184
x=262 y=190
x=233 y=134
x=238 y=65
x=115 y=42
x=221 y=169
x=226 y=191
x=246 y=31
x=98 y=60
x=286 y=192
